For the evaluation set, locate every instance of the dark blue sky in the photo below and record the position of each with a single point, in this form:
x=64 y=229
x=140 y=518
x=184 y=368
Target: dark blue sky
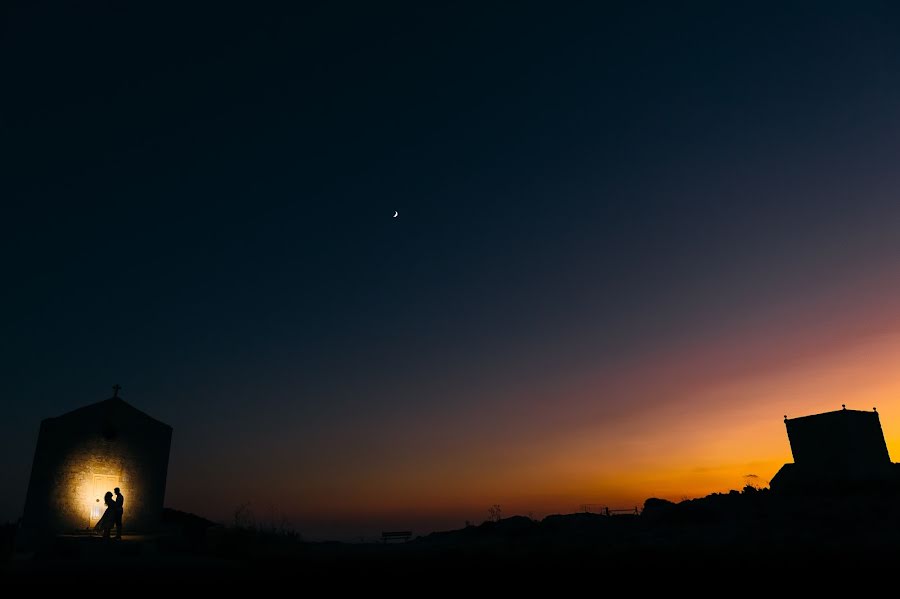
x=197 y=205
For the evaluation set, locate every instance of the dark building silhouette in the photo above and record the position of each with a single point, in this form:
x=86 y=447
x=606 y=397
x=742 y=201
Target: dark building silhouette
x=85 y=453
x=835 y=451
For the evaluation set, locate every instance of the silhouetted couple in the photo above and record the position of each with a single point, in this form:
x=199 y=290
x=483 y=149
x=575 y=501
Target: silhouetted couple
x=112 y=515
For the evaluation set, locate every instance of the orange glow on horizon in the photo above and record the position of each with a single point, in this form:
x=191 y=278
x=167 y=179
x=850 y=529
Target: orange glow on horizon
x=687 y=424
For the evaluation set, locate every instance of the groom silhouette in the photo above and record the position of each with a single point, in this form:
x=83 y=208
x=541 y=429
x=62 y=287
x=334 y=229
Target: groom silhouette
x=120 y=502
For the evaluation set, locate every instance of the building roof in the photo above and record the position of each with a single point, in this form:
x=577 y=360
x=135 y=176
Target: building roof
x=109 y=408
x=844 y=413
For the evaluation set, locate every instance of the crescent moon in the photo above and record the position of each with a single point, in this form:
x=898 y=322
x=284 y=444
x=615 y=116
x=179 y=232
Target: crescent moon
x=396 y=214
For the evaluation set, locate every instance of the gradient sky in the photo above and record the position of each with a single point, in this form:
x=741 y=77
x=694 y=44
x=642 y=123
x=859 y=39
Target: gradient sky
x=630 y=240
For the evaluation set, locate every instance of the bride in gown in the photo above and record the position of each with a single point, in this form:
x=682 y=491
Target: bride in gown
x=108 y=520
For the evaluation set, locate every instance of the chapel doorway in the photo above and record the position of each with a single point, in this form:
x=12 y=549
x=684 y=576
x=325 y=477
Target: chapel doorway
x=101 y=484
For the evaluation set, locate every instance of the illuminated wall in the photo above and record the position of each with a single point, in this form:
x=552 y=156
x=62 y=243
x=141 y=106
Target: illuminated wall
x=83 y=454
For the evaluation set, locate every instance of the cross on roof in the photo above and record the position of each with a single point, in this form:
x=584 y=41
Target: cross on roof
x=116 y=390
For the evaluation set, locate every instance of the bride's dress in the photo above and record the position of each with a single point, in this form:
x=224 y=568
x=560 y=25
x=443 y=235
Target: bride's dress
x=108 y=519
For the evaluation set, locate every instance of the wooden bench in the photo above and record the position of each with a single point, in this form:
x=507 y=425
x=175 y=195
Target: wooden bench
x=396 y=535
